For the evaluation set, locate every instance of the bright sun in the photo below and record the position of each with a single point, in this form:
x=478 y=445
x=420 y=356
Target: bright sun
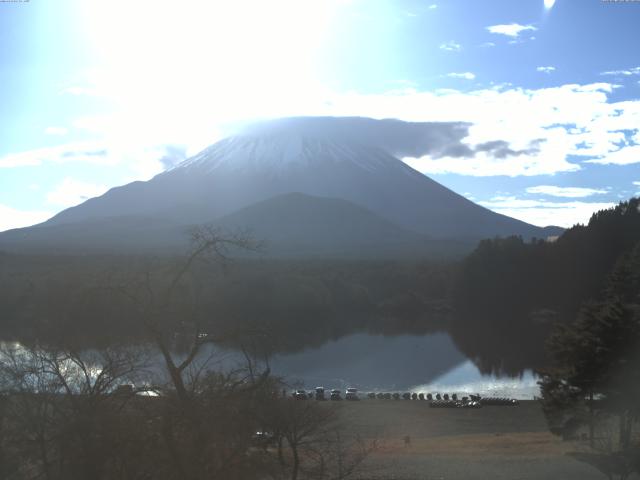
x=548 y=4
x=199 y=58
x=229 y=38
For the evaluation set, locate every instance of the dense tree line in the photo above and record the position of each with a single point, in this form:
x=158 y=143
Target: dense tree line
x=508 y=292
x=594 y=376
x=291 y=304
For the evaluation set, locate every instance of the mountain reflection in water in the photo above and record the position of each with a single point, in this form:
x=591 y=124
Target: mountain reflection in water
x=403 y=362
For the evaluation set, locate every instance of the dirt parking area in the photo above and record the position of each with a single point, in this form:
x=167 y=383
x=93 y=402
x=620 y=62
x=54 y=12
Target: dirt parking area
x=418 y=442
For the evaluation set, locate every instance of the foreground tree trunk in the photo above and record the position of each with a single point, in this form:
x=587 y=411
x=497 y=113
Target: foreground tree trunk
x=591 y=420
x=296 y=463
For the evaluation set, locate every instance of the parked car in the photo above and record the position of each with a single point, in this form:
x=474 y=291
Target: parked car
x=124 y=390
x=352 y=394
x=320 y=393
x=300 y=395
x=262 y=439
x=335 y=395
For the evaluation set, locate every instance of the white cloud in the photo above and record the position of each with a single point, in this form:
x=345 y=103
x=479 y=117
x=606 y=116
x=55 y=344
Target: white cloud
x=56 y=131
x=624 y=156
x=14 y=218
x=488 y=44
x=433 y=6
x=637 y=184
x=71 y=192
x=464 y=75
x=142 y=159
x=548 y=69
x=510 y=30
x=451 y=46
x=568 y=192
x=541 y=213
x=564 y=120
x=623 y=73
x=90 y=152
x=484 y=165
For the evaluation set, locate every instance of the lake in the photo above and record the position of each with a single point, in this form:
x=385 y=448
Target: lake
x=428 y=363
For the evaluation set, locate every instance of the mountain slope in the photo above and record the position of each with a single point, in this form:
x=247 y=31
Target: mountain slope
x=288 y=225
x=315 y=157
x=121 y=234
x=295 y=223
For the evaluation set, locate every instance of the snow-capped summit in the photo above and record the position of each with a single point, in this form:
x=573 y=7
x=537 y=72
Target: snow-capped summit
x=287 y=142
x=274 y=153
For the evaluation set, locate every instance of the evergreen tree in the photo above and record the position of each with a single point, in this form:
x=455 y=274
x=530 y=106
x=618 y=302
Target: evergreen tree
x=595 y=359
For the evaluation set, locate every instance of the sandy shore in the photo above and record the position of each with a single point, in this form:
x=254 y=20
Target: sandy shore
x=489 y=443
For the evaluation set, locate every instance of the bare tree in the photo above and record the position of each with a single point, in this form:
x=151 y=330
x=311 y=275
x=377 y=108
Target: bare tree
x=166 y=301
x=61 y=406
x=198 y=404
x=310 y=441
x=340 y=455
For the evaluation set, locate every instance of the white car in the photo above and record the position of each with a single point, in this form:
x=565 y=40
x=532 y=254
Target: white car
x=352 y=394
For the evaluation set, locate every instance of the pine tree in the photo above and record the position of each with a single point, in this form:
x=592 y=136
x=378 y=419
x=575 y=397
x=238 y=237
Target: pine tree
x=596 y=364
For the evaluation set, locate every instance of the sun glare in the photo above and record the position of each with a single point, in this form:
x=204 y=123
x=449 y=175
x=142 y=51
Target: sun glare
x=198 y=56
x=548 y=4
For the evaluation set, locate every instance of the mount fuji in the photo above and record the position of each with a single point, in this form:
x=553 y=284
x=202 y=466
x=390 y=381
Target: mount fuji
x=316 y=182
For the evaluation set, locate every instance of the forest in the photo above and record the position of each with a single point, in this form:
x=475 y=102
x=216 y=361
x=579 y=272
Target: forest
x=299 y=303
x=508 y=294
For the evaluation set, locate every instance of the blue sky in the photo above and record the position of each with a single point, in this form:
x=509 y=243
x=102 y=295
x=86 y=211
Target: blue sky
x=97 y=94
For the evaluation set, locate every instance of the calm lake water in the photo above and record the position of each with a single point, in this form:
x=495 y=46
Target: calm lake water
x=428 y=363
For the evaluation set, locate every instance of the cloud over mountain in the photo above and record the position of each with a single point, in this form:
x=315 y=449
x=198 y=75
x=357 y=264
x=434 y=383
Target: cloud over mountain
x=399 y=138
